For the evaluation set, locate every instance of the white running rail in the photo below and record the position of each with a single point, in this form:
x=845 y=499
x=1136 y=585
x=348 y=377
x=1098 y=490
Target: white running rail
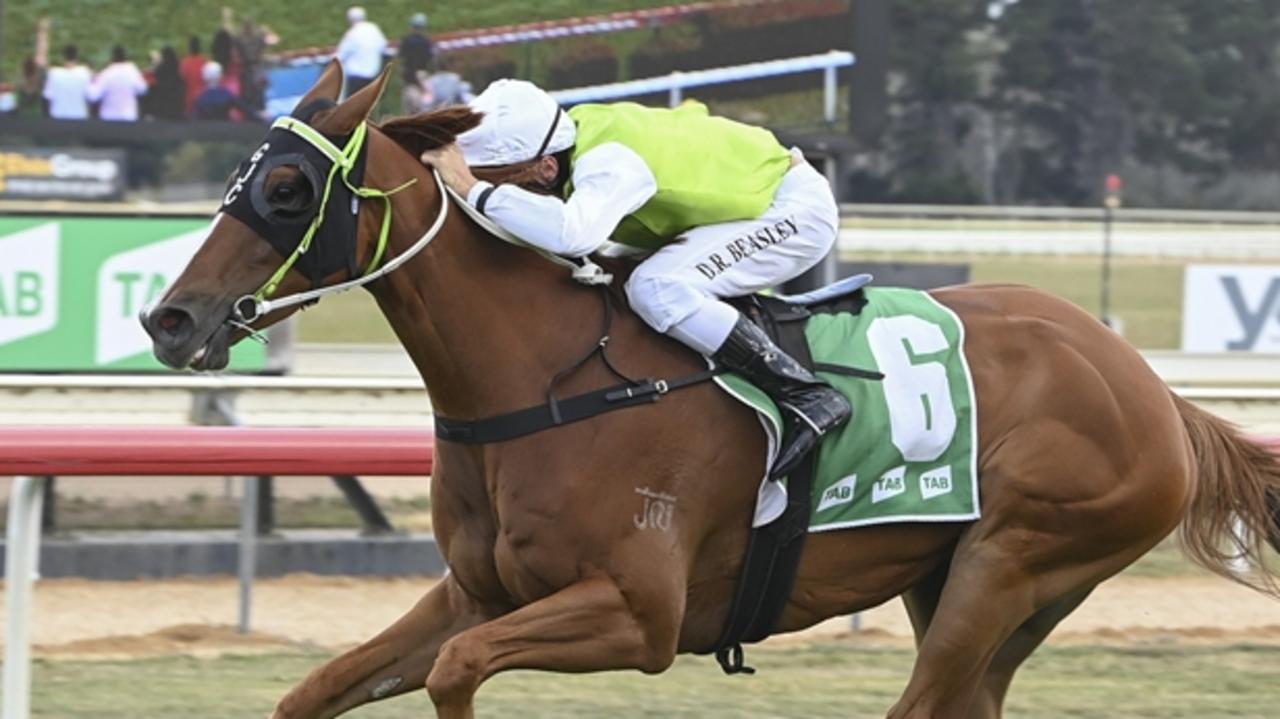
x=677 y=82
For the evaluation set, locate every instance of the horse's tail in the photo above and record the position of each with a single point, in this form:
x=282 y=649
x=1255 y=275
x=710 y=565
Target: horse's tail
x=1235 y=513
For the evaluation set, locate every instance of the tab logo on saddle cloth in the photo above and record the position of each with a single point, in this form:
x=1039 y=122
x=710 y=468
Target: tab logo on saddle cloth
x=935 y=483
x=839 y=493
x=890 y=485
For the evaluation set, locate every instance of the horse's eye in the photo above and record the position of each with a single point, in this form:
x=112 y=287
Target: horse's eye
x=284 y=193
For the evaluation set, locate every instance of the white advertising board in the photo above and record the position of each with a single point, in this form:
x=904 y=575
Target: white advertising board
x=1231 y=308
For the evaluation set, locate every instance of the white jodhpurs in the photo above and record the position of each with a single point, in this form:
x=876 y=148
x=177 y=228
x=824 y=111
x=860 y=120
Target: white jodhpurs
x=677 y=290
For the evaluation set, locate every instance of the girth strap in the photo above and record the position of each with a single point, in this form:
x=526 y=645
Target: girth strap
x=768 y=573
x=556 y=413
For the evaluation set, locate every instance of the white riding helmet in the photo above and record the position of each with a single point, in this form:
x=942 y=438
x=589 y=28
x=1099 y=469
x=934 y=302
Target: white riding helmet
x=521 y=122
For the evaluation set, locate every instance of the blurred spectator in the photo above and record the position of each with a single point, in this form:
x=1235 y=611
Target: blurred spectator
x=67 y=87
x=167 y=97
x=252 y=42
x=30 y=101
x=118 y=88
x=227 y=55
x=190 y=68
x=415 y=55
x=445 y=88
x=223 y=52
x=360 y=50
x=216 y=101
x=31 y=90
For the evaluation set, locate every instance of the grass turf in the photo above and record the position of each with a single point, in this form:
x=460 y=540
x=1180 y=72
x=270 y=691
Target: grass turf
x=831 y=678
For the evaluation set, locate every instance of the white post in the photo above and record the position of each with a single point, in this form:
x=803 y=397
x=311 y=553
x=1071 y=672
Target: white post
x=829 y=93
x=855 y=622
x=248 y=549
x=22 y=547
x=676 y=93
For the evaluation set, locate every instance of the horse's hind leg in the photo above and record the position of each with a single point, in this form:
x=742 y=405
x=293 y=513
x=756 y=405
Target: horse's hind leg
x=922 y=603
x=989 y=702
x=396 y=661
x=1001 y=582
x=983 y=601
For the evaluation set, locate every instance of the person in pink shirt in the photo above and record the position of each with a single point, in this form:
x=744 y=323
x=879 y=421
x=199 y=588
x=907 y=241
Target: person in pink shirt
x=117 y=88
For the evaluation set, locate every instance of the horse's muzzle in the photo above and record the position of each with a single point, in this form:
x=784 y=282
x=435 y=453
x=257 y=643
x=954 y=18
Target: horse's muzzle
x=178 y=344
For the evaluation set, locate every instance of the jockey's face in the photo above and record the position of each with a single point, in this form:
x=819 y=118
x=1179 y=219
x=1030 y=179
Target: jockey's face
x=543 y=175
x=545 y=171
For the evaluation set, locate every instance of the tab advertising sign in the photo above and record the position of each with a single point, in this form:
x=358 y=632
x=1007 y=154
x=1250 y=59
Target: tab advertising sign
x=71 y=288
x=41 y=174
x=1231 y=308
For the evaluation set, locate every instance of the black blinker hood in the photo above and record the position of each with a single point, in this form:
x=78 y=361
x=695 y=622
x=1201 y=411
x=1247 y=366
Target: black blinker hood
x=333 y=247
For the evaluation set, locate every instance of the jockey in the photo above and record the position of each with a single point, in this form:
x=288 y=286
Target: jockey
x=723 y=208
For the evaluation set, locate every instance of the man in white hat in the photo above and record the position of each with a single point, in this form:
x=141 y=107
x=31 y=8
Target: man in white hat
x=360 y=50
x=723 y=207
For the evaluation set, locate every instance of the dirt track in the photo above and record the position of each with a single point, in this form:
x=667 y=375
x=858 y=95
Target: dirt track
x=80 y=618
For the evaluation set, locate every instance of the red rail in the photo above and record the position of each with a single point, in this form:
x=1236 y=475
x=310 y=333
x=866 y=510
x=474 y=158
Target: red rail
x=217 y=451
x=220 y=451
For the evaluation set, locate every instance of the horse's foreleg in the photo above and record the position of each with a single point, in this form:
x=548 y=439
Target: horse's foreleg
x=588 y=626
x=395 y=661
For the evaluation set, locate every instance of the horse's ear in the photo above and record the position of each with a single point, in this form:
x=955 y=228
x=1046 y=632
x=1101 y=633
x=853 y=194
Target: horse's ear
x=328 y=87
x=355 y=109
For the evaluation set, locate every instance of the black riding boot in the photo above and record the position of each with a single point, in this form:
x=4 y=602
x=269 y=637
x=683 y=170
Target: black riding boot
x=811 y=407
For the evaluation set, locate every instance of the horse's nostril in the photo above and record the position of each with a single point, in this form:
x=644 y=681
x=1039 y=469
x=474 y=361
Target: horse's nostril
x=170 y=325
x=169 y=321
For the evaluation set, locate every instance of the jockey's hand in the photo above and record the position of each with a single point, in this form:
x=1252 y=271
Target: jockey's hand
x=452 y=167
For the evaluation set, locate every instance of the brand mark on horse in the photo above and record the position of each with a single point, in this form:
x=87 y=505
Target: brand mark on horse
x=658 y=511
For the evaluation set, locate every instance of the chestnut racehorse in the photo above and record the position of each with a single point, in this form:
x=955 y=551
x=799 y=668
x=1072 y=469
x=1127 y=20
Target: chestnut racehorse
x=1086 y=458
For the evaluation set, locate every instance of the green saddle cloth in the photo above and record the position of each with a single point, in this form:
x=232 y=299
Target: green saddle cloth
x=908 y=454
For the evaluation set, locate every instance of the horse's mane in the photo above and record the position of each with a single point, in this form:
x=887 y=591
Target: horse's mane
x=437 y=128
x=430 y=130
